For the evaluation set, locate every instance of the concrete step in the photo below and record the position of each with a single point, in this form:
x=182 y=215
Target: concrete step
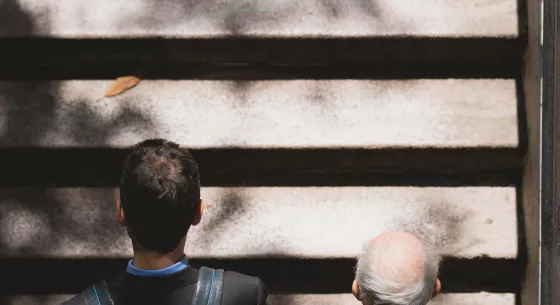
x=260 y=39
x=264 y=114
x=207 y=19
x=268 y=132
x=266 y=222
x=482 y=298
x=442 y=299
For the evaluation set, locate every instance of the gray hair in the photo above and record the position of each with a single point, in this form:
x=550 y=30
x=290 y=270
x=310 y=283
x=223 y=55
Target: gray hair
x=376 y=289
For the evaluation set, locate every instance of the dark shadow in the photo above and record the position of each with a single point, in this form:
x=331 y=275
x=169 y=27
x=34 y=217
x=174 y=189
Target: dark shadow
x=281 y=167
x=230 y=17
x=522 y=131
x=436 y=224
x=522 y=20
x=237 y=19
x=370 y=7
x=281 y=300
x=28 y=110
x=13 y=20
x=50 y=221
x=87 y=127
x=33 y=114
x=32 y=299
x=319 y=95
x=239 y=89
x=231 y=206
x=261 y=58
x=522 y=255
x=282 y=275
x=333 y=9
x=523 y=135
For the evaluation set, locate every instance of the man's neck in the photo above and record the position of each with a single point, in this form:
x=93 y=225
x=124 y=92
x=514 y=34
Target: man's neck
x=150 y=260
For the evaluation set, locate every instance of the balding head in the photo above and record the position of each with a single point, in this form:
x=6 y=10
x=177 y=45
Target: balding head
x=396 y=268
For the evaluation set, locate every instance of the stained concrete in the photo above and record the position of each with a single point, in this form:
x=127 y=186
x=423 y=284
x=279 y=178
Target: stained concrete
x=263 y=114
x=211 y=18
x=482 y=298
x=304 y=222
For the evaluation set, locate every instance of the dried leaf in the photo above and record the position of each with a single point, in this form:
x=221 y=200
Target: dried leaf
x=121 y=85
x=208 y=206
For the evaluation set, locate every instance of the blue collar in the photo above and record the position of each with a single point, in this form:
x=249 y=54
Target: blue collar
x=182 y=264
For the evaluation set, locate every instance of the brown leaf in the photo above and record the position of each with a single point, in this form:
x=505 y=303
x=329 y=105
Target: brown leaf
x=121 y=85
x=208 y=206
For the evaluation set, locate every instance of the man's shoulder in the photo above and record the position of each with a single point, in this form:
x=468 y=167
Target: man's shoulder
x=241 y=278
x=243 y=289
x=237 y=288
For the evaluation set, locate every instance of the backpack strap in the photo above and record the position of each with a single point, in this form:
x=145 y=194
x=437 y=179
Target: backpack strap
x=97 y=294
x=209 y=287
x=216 y=293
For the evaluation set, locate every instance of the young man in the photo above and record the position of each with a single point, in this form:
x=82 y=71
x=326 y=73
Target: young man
x=159 y=201
x=397 y=268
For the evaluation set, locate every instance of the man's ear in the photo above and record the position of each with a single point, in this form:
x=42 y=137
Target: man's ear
x=437 y=288
x=198 y=213
x=121 y=218
x=356 y=290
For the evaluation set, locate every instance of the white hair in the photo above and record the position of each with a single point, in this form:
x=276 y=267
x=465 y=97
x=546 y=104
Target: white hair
x=379 y=288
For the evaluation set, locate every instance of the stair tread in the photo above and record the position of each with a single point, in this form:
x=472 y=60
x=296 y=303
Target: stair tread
x=268 y=222
x=372 y=114
x=352 y=18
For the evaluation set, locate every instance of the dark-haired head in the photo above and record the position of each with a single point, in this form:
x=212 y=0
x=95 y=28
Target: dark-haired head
x=159 y=195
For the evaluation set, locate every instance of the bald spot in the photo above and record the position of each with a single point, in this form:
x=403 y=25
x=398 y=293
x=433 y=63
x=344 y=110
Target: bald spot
x=398 y=257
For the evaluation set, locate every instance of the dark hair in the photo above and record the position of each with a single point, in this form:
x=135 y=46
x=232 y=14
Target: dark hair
x=159 y=191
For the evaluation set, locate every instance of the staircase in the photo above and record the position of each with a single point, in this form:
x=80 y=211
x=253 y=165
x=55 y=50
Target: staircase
x=316 y=125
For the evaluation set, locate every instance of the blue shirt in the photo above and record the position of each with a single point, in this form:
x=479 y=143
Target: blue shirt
x=181 y=265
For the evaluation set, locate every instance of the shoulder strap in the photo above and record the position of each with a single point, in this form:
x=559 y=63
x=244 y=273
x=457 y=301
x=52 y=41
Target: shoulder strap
x=97 y=294
x=216 y=293
x=209 y=287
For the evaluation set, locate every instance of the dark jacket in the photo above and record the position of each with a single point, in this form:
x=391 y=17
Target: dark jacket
x=178 y=289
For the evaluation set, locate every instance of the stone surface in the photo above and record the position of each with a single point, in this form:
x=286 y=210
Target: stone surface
x=482 y=298
x=263 y=114
x=211 y=18
x=442 y=299
x=266 y=222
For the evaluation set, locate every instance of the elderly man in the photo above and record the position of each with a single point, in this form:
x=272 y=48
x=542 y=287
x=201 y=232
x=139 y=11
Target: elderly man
x=397 y=268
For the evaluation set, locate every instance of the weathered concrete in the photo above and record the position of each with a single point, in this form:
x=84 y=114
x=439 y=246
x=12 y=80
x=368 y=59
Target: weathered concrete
x=482 y=298
x=531 y=185
x=263 y=114
x=269 y=222
x=205 y=18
